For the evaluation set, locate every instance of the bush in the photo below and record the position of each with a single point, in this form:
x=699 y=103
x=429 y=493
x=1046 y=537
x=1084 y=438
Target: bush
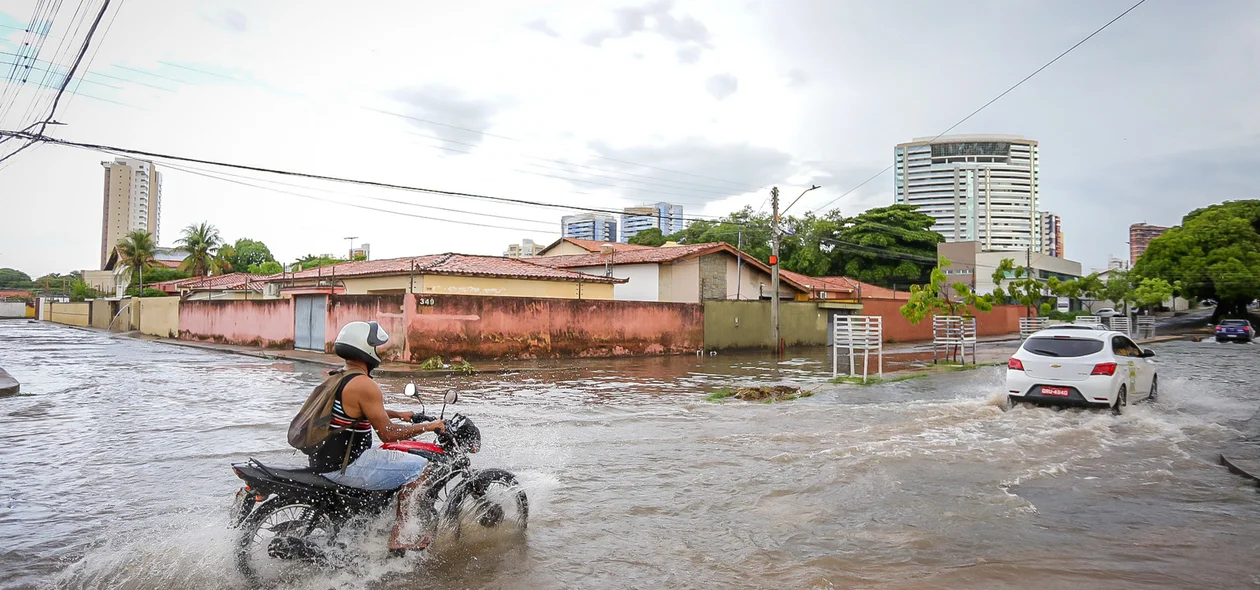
x=1067 y=316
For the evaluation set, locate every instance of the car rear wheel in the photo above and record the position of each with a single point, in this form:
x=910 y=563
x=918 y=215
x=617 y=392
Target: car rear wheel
x=1122 y=400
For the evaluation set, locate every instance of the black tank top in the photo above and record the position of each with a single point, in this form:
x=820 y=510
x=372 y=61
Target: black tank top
x=352 y=433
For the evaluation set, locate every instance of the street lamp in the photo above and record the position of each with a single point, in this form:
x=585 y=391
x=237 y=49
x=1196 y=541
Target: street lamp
x=774 y=264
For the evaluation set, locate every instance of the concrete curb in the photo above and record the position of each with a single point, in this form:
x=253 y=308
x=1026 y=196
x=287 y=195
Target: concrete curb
x=1233 y=466
x=8 y=385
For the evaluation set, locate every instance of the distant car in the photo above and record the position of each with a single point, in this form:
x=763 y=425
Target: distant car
x=1237 y=330
x=1081 y=367
x=1107 y=312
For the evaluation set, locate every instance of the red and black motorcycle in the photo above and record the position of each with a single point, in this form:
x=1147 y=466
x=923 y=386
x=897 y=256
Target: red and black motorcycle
x=293 y=517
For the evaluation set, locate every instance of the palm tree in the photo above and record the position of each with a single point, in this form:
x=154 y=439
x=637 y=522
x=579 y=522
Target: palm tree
x=136 y=252
x=201 y=242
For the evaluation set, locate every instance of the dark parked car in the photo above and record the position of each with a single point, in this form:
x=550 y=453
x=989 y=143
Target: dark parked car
x=1239 y=330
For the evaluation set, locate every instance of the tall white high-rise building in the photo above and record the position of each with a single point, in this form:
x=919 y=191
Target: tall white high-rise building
x=981 y=188
x=589 y=226
x=133 y=202
x=666 y=217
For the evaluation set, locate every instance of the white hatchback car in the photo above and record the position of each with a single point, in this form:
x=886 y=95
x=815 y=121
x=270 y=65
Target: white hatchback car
x=1081 y=365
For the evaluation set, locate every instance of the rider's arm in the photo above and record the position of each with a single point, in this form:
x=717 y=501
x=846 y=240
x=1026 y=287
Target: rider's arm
x=372 y=405
x=404 y=416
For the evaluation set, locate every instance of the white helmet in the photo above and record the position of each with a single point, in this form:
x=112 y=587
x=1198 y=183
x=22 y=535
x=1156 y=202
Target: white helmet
x=357 y=341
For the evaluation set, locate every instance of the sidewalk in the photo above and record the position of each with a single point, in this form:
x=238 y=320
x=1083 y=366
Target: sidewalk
x=388 y=369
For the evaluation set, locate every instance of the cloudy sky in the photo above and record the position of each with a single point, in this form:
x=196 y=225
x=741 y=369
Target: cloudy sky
x=615 y=103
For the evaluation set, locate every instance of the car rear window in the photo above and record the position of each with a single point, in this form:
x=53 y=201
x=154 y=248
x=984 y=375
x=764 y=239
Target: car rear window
x=1235 y=323
x=1064 y=347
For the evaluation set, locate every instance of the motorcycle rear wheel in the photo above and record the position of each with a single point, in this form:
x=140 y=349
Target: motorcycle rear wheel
x=278 y=529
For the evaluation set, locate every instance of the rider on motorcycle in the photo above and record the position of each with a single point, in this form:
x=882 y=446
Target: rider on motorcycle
x=357 y=411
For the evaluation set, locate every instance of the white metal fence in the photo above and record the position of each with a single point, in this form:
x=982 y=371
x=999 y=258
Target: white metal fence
x=953 y=334
x=1120 y=324
x=1028 y=326
x=1087 y=319
x=857 y=334
x=1145 y=327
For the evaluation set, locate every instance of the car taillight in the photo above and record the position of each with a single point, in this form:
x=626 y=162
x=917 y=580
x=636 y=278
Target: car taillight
x=1246 y=328
x=1220 y=328
x=1107 y=369
x=1015 y=364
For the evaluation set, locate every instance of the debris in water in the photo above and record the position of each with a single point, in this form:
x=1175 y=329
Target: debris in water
x=765 y=393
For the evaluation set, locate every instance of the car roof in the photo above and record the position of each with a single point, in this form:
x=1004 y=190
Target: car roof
x=1084 y=332
x=1094 y=327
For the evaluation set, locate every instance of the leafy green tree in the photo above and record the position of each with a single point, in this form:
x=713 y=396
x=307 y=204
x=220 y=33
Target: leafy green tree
x=270 y=267
x=883 y=246
x=135 y=251
x=311 y=261
x=897 y=244
x=1152 y=293
x=160 y=274
x=1119 y=289
x=940 y=297
x=12 y=278
x=201 y=242
x=1022 y=288
x=245 y=253
x=1214 y=253
x=80 y=290
x=649 y=237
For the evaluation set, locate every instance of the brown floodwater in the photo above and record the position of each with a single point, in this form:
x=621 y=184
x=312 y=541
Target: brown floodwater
x=115 y=475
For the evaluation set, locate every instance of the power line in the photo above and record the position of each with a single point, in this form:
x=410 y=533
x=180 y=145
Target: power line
x=135 y=152
x=994 y=99
x=39 y=135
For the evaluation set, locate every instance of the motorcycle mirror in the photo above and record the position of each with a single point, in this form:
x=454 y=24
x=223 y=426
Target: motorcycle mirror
x=451 y=397
x=410 y=390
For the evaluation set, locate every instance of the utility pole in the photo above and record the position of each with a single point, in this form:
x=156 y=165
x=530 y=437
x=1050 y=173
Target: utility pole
x=739 y=261
x=774 y=271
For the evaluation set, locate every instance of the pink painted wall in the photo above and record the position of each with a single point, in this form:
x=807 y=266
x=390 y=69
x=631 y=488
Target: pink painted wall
x=518 y=327
x=264 y=323
x=387 y=310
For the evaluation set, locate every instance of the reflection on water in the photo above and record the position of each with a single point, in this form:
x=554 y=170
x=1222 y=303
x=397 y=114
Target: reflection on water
x=115 y=475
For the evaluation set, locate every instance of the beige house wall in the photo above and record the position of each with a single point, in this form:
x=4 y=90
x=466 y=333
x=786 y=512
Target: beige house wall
x=483 y=286
x=70 y=314
x=566 y=249
x=680 y=283
x=159 y=316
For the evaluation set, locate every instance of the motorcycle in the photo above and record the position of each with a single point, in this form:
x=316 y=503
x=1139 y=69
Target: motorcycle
x=289 y=515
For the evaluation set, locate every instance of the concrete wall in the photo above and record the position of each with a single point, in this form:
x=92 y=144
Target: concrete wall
x=159 y=316
x=102 y=311
x=746 y=324
x=680 y=283
x=749 y=280
x=387 y=310
x=12 y=309
x=70 y=314
x=227 y=295
x=713 y=276
x=1004 y=319
x=509 y=327
x=263 y=323
x=644 y=281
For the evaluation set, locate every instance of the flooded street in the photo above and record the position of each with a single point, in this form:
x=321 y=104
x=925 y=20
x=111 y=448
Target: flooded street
x=116 y=475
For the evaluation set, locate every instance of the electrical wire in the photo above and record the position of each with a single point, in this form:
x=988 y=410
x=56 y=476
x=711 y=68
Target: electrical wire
x=372 y=183
x=993 y=100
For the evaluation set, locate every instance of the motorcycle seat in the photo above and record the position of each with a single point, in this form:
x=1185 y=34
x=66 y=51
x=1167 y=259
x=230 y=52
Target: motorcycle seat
x=303 y=476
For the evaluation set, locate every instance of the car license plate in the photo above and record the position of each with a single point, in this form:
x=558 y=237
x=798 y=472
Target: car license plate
x=1055 y=391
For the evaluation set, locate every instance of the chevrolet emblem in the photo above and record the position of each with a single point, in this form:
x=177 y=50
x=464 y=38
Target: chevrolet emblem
x=1056 y=366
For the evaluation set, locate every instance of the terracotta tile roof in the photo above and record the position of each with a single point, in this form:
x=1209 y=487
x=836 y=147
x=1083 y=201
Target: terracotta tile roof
x=450 y=264
x=228 y=282
x=595 y=246
x=662 y=255
x=845 y=285
x=14 y=293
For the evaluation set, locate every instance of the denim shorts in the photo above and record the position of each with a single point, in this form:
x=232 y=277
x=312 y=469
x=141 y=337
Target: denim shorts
x=379 y=469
